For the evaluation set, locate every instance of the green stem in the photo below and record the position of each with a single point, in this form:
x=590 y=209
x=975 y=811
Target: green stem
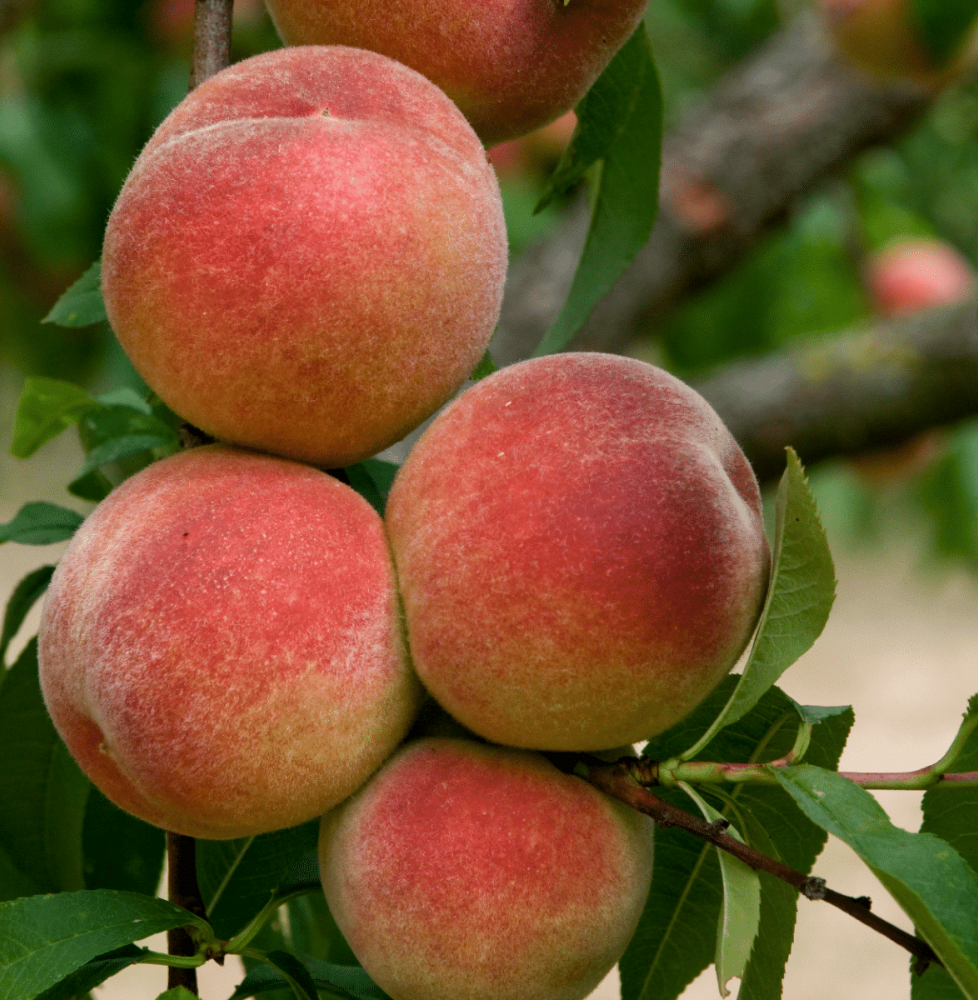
x=238 y=945
x=671 y=772
x=174 y=961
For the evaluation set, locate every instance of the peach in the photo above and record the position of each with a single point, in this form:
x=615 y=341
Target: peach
x=476 y=871
x=510 y=65
x=221 y=647
x=308 y=256
x=580 y=550
x=912 y=275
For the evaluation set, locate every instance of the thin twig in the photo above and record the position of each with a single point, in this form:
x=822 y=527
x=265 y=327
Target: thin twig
x=617 y=781
x=183 y=890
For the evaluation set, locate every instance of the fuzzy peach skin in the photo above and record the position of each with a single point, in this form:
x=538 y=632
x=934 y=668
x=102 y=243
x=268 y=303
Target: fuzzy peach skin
x=580 y=550
x=510 y=65
x=476 y=871
x=308 y=256
x=221 y=647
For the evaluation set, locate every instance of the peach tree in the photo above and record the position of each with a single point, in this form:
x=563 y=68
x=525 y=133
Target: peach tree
x=741 y=781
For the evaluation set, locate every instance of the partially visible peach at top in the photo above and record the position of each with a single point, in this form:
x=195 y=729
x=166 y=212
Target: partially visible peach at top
x=510 y=65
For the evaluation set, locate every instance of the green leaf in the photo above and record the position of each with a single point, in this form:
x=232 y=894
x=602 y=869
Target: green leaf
x=798 y=602
x=47 y=406
x=486 y=366
x=764 y=974
x=14 y=882
x=119 y=850
x=95 y=487
x=314 y=932
x=943 y=26
x=238 y=877
x=372 y=479
x=951 y=813
x=42 y=789
x=621 y=120
x=177 y=993
x=929 y=880
x=294 y=972
x=26 y=594
x=119 y=448
x=740 y=912
x=43 y=939
x=82 y=304
x=676 y=937
x=41 y=523
x=341 y=981
x=93 y=973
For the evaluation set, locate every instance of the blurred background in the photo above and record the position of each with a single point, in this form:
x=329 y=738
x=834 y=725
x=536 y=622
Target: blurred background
x=84 y=82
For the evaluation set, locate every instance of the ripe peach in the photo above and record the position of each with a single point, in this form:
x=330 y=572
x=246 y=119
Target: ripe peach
x=510 y=65
x=221 y=648
x=308 y=256
x=580 y=550
x=916 y=274
x=468 y=870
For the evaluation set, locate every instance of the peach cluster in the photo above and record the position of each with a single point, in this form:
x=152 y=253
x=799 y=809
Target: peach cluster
x=306 y=262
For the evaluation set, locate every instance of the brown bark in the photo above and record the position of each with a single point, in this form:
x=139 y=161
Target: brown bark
x=774 y=129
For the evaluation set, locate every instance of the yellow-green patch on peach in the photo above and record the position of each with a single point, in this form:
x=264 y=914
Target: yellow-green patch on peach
x=221 y=647
x=468 y=870
x=580 y=550
x=308 y=256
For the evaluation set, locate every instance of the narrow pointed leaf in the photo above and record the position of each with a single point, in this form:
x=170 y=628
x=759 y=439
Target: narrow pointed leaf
x=295 y=973
x=930 y=881
x=42 y=790
x=951 y=813
x=486 y=366
x=372 y=479
x=41 y=523
x=43 y=939
x=799 y=599
x=343 y=982
x=93 y=974
x=676 y=937
x=238 y=877
x=26 y=594
x=626 y=192
x=740 y=911
x=47 y=406
x=81 y=305
x=120 y=851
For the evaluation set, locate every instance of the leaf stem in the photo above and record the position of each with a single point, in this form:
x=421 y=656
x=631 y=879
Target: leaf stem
x=238 y=945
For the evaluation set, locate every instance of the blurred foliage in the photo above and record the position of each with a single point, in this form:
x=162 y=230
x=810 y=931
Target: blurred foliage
x=84 y=82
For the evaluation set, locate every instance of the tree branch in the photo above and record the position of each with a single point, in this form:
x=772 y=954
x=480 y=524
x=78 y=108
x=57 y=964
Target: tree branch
x=867 y=389
x=212 y=38
x=182 y=890
x=617 y=781
x=776 y=127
